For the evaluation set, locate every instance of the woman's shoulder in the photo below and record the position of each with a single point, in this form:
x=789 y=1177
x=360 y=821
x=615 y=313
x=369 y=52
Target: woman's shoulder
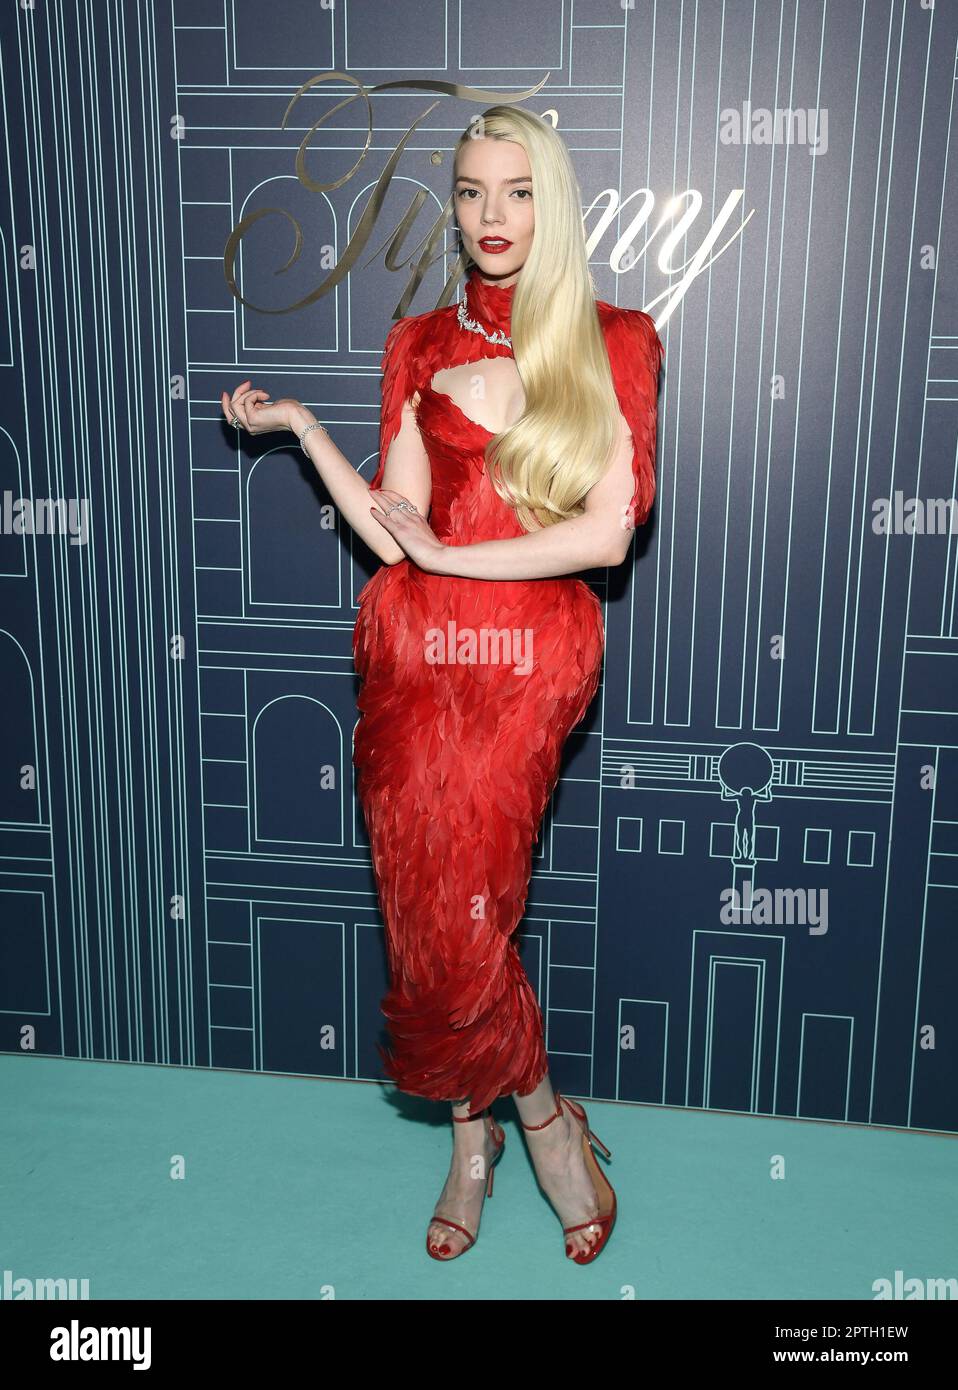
x=412 y=328
x=630 y=331
x=415 y=345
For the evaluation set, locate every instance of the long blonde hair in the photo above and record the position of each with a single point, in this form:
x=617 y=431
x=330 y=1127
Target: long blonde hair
x=561 y=445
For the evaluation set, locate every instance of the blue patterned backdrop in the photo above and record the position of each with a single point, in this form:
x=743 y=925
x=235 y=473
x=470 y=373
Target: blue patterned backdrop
x=184 y=875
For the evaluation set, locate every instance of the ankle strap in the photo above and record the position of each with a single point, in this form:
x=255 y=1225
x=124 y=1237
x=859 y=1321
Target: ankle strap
x=467 y=1119
x=551 y=1117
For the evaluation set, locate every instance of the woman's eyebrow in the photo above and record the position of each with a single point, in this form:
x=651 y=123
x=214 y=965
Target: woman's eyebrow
x=463 y=178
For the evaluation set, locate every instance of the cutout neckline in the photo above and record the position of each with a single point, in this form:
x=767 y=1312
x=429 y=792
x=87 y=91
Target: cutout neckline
x=451 y=401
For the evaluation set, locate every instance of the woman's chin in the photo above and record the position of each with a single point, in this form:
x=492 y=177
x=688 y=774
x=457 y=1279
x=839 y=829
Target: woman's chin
x=497 y=266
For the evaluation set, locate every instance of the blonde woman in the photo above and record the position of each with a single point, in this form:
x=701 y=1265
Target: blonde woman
x=517 y=449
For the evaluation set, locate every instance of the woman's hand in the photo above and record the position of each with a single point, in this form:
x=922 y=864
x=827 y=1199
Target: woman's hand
x=256 y=412
x=410 y=530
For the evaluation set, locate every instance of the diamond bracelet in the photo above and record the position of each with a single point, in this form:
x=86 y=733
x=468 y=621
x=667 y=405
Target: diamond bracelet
x=315 y=426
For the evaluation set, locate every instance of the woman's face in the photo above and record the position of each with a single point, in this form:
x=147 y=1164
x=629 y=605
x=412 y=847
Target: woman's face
x=493 y=193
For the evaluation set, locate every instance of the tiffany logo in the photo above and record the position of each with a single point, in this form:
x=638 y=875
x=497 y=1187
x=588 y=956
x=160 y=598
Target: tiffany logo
x=677 y=215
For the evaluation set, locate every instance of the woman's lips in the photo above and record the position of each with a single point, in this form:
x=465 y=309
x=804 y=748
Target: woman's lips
x=493 y=245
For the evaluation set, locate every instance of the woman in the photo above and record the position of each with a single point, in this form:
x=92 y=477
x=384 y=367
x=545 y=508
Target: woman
x=522 y=423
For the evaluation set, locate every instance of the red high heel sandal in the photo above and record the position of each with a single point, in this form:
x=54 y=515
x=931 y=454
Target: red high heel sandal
x=605 y=1218
x=500 y=1141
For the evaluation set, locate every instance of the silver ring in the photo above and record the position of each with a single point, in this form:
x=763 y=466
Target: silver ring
x=237 y=422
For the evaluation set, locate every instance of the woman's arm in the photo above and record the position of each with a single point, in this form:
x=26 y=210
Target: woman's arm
x=406 y=468
x=403 y=461
x=402 y=456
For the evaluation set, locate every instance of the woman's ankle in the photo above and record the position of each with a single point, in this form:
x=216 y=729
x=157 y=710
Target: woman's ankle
x=537 y=1108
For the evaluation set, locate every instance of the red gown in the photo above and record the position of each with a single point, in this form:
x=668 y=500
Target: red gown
x=456 y=762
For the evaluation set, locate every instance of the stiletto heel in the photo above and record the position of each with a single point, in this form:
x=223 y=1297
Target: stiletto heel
x=605 y=1195
x=499 y=1139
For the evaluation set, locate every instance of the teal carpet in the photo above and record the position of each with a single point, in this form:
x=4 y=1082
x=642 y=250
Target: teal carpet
x=301 y=1188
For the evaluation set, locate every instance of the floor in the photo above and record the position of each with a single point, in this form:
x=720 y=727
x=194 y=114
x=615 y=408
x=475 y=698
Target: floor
x=293 y=1187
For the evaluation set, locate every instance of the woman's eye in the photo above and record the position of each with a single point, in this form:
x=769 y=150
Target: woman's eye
x=527 y=192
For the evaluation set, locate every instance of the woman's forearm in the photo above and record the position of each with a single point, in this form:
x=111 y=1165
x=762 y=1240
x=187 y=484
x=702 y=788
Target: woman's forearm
x=581 y=543
x=350 y=492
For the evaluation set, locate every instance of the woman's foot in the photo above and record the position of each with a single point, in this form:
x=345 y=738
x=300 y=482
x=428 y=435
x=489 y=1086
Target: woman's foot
x=558 y=1156
x=473 y=1149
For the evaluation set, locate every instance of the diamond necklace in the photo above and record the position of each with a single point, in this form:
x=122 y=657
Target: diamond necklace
x=474 y=327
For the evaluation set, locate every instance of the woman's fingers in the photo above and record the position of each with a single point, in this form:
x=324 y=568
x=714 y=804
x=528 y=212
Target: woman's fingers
x=242 y=403
x=232 y=413
x=239 y=402
x=390 y=513
x=227 y=400
x=394 y=499
x=238 y=393
x=380 y=497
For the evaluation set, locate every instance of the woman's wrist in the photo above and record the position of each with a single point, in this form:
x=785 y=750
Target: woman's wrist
x=299 y=417
x=441 y=561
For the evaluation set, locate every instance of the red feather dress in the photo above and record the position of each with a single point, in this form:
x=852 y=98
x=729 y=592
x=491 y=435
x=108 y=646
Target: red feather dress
x=456 y=762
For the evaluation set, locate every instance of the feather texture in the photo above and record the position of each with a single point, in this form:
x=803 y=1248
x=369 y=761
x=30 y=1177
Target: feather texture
x=456 y=761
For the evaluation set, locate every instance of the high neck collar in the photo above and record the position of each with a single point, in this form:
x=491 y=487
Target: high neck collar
x=490 y=305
